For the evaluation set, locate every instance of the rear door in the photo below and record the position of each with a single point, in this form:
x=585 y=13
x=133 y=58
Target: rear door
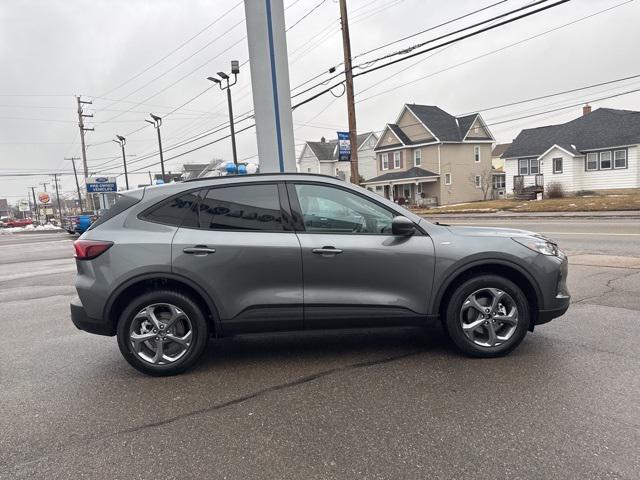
x=242 y=249
x=356 y=272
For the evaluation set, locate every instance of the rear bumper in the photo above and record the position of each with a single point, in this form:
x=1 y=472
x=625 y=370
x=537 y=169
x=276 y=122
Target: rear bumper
x=82 y=321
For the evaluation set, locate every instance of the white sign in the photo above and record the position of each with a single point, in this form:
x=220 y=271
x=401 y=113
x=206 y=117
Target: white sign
x=23 y=206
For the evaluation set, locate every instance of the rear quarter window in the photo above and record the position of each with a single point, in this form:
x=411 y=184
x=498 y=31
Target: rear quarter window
x=178 y=211
x=123 y=202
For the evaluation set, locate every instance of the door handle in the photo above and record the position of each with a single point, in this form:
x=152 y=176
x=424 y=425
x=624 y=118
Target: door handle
x=327 y=251
x=199 y=250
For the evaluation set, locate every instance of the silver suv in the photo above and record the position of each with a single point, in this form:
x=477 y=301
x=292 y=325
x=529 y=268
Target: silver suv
x=170 y=266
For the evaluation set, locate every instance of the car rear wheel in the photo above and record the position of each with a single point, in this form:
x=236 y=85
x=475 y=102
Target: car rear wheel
x=487 y=316
x=162 y=333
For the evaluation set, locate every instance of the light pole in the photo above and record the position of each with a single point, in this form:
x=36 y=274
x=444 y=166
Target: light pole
x=225 y=84
x=122 y=141
x=156 y=122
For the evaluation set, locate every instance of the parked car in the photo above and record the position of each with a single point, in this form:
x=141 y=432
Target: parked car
x=78 y=224
x=18 y=222
x=167 y=267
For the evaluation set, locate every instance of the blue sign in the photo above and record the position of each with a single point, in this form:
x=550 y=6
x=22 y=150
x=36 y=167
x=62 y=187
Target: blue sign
x=102 y=185
x=344 y=147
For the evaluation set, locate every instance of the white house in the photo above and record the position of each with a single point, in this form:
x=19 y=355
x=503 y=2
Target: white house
x=322 y=157
x=597 y=151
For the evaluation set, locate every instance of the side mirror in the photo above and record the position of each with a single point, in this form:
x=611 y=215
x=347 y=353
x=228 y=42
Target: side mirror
x=402 y=226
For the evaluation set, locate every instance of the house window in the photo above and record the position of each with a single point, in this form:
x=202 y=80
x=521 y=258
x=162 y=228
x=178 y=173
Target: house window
x=605 y=160
x=477 y=181
x=309 y=169
x=592 y=161
x=557 y=165
x=396 y=159
x=476 y=153
x=523 y=166
x=417 y=157
x=499 y=181
x=620 y=159
x=419 y=187
x=447 y=179
x=534 y=166
x=385 y=161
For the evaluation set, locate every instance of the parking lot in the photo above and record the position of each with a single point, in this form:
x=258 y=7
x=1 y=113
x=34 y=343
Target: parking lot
x=392 y=403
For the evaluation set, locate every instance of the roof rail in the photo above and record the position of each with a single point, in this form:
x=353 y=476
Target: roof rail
x=300 y=174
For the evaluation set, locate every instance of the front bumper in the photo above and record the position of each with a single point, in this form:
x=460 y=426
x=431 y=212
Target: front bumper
x=82 y=321
x=561 y=300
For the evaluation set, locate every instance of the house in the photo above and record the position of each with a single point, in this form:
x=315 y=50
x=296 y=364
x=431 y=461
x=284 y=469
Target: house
x=497 y=161
x=322 y=157
x=430 y=157
x=596 y=151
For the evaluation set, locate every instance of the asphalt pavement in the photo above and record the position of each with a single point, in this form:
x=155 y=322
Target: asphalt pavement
x=392 y=403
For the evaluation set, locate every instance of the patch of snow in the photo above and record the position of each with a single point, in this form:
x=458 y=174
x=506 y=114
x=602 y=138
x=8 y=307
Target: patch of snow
x=30 y=228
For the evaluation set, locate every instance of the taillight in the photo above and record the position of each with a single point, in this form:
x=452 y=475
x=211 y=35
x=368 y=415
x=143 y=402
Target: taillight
x=88 y=249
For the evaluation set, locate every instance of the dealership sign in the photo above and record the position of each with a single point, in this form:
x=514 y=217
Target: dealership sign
x=344 y=147
x=101 y=185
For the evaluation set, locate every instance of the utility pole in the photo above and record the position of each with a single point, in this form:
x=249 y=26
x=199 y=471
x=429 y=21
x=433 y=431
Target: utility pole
x=35 y=204
x=150 y=179
x=235 y=70
x=157 y=122
x=122 y=141
x=81 y=117
x=55 y=181
x=44 y=185
x=75 y=174
x=351 y=107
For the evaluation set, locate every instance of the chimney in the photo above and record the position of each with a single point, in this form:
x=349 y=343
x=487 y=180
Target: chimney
x=322 y=139
x=586 y=110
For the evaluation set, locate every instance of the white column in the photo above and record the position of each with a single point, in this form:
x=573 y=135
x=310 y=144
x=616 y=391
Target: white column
x=270 y=83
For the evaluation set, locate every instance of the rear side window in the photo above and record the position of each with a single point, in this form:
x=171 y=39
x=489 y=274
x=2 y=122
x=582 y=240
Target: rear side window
x=123 y=202
x=177 y=211
x=242 y=207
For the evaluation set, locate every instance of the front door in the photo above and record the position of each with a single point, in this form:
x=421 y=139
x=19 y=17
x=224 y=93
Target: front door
x=242 y=250
x=355 y=272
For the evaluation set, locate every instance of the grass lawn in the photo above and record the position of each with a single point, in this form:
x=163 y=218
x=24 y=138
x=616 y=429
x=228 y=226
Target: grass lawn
x=612 y=200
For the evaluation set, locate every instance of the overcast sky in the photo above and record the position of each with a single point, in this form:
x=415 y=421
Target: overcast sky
x=51 y=50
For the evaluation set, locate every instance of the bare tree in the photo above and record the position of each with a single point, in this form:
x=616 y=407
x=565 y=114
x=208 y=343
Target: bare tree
x=483 y=180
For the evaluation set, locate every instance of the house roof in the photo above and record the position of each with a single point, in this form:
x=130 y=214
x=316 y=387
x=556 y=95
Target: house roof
x=499 y=149
x=327 y=150
x=400 y=134
x=415 y=172
x=446 y=127
x=602 y=128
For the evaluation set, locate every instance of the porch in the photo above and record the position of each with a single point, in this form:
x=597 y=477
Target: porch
x=414 y=187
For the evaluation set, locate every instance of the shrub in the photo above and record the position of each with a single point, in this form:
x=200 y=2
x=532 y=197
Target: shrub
x=586 y=193
x=555 y=190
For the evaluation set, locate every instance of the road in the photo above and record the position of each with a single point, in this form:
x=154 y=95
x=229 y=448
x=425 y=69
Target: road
x=393 y=403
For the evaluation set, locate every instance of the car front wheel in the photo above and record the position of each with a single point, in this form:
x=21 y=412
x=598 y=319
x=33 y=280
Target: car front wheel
x=487 y=316
x=162 y=333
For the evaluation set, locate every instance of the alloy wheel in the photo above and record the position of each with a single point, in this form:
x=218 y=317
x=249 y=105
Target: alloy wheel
x=161 y=334
x=489 y=317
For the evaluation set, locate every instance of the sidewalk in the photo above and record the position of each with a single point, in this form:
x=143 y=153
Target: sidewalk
x=624 y=214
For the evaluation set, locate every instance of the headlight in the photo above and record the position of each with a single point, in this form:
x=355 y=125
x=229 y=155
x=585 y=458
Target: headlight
x=539 y=245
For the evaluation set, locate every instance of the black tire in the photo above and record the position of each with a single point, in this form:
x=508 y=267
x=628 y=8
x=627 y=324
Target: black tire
x=453 y=324
x=199 y=325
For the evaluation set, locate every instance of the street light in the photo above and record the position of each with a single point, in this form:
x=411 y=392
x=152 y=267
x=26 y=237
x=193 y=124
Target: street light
x=122 y=141
x=226 y=84
x=157 y=121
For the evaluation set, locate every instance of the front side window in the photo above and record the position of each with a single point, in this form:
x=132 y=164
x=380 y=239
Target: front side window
x=396 y=159
x=557 y=165
x=333 y=210
x=592 y=161
x=477 y=181
x=620 y=159
x=243 y=207
x=447 y=179
x=605 y=160
x=417 y=157
x=177 y=211
x=534 y=166
x=523 y=166
x=476 y=153
x=385 y=161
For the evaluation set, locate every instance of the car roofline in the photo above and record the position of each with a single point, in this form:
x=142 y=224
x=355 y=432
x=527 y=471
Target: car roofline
x=265 y=174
